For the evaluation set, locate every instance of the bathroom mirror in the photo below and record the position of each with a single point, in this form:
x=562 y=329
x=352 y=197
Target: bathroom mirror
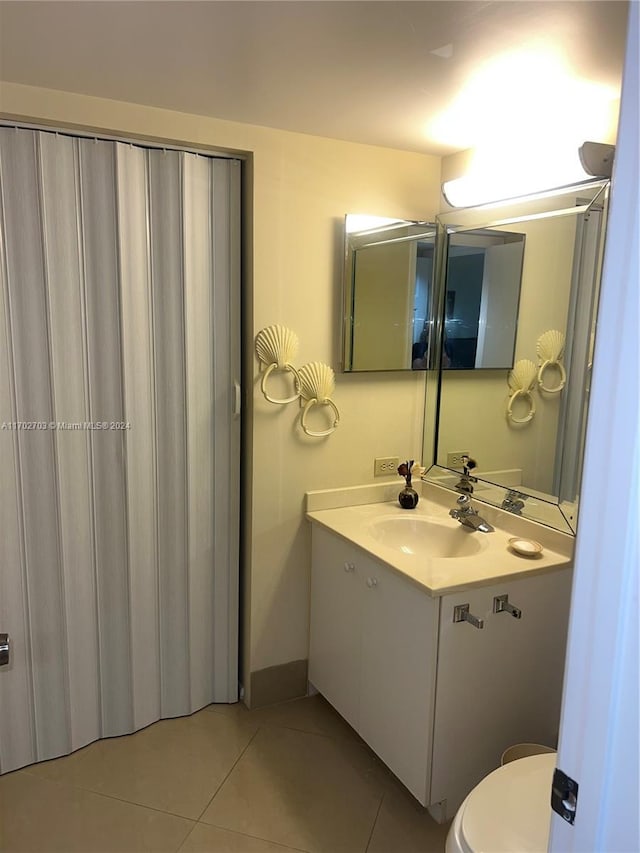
x=388 y=292
x=388 y=296
x=482 y=292
x=529 y=462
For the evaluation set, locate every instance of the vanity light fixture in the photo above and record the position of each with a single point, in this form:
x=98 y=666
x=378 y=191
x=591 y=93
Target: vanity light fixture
x=595 y=159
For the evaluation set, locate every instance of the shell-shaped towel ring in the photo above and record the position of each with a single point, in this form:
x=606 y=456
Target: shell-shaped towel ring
x=550 y=348
x=522 y=380
x=317 y=382
x=276 y=347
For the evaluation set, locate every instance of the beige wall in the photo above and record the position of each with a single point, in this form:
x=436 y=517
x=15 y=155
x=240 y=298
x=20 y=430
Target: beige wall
x=301 y=188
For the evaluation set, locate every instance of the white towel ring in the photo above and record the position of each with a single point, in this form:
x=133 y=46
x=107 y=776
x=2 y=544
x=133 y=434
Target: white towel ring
x=315 y=402
x=317 y=382
x=524 y=393
x=289 y=368
x=563 y=376
x=276 y=347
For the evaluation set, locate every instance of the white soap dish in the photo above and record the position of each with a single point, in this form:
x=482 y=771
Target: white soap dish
x=525 y=547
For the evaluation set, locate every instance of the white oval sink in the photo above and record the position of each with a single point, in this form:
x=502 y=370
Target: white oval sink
x=413 y=534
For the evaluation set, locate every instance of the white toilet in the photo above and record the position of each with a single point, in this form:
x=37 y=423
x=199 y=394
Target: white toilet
x=509 y=810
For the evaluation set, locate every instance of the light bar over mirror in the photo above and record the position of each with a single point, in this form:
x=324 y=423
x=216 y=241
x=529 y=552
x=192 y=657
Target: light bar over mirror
x=536 y=172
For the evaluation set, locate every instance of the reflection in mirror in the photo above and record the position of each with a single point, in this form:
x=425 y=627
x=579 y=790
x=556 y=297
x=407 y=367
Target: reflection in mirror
x=388 y=288
x=535 y=507
x=540 y=460
x=484 y=267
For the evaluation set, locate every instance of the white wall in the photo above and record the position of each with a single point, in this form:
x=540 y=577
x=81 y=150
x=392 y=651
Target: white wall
x=301 y=188
x=599 y=734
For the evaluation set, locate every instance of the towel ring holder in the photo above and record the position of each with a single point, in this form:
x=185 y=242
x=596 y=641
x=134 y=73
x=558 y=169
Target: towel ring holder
x=317 y=383
x=563 y=375
x=524 y=393
x=313 y=401
x=289 y=368
x=276 y=347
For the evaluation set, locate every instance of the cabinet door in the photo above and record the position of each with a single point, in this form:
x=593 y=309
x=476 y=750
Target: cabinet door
x=500 y=685
x=399 y=645
x=335 y=624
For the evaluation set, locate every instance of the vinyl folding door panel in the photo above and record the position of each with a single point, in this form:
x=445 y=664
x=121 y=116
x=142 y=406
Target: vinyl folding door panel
x=119 y=340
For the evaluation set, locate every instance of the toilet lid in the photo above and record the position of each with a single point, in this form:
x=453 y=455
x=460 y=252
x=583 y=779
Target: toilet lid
x=511 y=808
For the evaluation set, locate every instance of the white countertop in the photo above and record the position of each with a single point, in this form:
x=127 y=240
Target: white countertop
x=493 y=561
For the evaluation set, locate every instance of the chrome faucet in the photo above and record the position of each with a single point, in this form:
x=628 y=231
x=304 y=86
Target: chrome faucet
x=514 y=501
x=467 y=515
x=465 y=484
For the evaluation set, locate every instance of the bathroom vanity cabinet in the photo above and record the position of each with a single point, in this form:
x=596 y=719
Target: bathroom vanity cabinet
x=373 y=653
x=437 y=700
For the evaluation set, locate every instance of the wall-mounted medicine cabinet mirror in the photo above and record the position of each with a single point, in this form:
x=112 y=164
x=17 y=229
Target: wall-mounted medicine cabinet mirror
x=389 y=296
x=388 y=292
x=530 y=466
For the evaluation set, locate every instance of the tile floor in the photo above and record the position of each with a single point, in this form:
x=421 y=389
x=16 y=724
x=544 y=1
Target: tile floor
x=290 y=777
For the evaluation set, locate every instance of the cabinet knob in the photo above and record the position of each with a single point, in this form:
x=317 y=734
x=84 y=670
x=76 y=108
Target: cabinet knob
x=349 y=567
x=372 y=582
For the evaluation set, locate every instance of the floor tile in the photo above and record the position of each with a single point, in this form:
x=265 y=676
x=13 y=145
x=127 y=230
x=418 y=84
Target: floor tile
x=210 y=839
x=308 y=714
x=302 y=790
x=174 y=765
x=40 y=816
x=403 y=826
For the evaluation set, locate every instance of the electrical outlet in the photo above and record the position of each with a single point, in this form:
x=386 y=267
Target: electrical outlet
x=385 y=466
x=454 y=459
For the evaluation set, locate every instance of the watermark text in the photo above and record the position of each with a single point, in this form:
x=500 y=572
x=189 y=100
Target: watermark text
x=65 y=425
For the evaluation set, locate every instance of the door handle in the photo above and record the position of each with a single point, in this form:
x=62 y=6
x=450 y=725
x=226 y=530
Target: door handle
x=4 y=649
x=501 y=605
x=461 y=613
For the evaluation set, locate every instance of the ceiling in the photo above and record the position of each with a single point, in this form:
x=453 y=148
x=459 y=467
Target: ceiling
x=429 y=76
